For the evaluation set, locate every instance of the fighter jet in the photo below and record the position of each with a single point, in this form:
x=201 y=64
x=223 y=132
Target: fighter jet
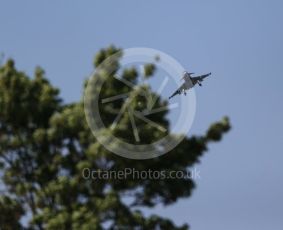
x=190 y=82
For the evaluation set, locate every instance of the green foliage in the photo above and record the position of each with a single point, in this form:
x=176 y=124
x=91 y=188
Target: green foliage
x=11 y=211
x=149 y=70
x=45 y=145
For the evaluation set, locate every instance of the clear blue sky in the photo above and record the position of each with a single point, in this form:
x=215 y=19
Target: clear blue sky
x=240 y=42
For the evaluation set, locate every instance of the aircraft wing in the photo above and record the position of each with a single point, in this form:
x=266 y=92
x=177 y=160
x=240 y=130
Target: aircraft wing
x=202 y=77
x=178 y=91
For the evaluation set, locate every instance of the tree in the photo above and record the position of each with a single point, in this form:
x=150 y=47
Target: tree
x=45 y=145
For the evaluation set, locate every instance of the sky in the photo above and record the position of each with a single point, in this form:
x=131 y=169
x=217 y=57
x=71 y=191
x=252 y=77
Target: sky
x=240 y=42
